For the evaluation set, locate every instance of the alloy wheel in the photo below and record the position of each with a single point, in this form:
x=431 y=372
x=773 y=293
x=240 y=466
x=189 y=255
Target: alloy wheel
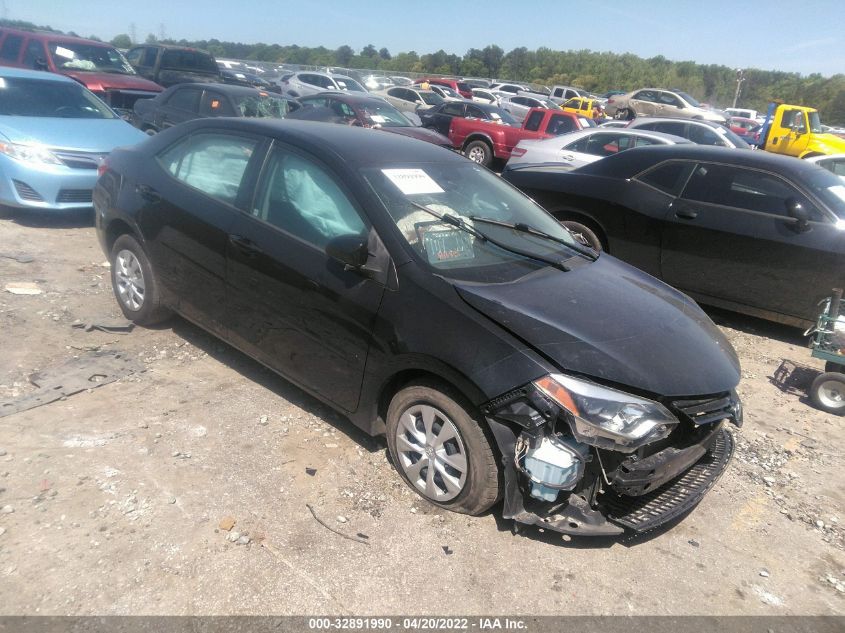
x=431 y=452
x=129 y=278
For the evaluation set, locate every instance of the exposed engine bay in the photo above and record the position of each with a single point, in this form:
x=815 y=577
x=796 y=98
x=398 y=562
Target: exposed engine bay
x=584 y=458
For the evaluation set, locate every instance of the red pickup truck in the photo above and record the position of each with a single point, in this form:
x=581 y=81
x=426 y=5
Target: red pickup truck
x=483 y=141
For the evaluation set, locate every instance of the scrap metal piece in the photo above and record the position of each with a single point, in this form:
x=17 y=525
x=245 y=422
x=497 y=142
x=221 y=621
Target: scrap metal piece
x=110 y=327
x=87 y=371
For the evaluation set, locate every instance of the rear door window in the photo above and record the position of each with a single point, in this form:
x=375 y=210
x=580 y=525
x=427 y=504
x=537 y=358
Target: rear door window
x=704 y=135
x=11 y=48
x=187 y=99
x=212 y=163
x=560 y=124
x=454 y=109
x=668 y=177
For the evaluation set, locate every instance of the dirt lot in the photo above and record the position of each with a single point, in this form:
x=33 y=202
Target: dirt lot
x=112 y=499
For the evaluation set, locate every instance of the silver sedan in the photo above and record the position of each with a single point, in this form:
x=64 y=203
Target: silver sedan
x=580 y=148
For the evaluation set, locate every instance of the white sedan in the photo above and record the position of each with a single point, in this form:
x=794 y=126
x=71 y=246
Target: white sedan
x=580 y=148
x=831 y=162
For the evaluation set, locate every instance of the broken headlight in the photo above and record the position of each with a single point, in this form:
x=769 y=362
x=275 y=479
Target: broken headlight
x=605 y=417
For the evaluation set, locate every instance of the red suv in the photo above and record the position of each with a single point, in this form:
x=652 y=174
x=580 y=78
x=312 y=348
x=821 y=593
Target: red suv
x=462 y=88
x=98 y=66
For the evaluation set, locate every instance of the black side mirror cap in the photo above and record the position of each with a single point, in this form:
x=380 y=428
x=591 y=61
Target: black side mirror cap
x=797 y=212
x=350 y=250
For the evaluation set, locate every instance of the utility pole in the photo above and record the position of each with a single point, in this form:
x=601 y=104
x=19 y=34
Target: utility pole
x=739 y=79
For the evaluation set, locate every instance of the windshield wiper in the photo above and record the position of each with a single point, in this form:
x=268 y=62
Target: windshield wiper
x=448 y=218
x=522 y=227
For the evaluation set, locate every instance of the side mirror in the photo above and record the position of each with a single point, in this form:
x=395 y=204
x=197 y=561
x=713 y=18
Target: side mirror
x=797 y=212
x=349 y=250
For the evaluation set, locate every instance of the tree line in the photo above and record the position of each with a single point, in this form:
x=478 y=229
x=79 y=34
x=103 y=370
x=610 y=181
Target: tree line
x=594 y=71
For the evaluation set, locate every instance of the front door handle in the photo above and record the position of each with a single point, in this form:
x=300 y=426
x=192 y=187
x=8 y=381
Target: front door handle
x=148 y=193
x=686 y=214
x=245 y=246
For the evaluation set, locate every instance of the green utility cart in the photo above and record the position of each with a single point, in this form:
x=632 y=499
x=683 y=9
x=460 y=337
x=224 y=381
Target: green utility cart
x=828 y=390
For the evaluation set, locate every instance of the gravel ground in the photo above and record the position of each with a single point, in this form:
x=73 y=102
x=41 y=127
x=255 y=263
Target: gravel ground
x=195 y=485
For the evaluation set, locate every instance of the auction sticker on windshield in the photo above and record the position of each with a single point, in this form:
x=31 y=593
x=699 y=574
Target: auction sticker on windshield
x=412 y=181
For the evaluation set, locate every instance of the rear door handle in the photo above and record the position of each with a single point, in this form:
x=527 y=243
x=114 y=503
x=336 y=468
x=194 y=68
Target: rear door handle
x=245 y=246
x=686 y=214
x=148 y=193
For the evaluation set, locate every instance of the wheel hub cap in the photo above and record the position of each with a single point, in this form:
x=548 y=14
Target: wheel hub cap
x=431 y=452
x=830 y=393
x=129 y=280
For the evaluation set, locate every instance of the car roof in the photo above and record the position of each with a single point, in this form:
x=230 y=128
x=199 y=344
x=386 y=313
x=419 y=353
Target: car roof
x=631 y=162
x=228 y=89
x=6 y=71
x=350 y=145
x=349 y=96
x=56 y=37
x=661 y=119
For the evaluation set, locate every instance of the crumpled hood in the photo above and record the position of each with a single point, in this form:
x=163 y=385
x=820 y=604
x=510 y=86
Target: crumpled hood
x=611 y=321
x=84 y=135
x=112 y=81
x=421 y=133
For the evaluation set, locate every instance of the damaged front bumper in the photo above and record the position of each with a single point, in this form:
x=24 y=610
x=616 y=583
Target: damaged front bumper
x=618 y=492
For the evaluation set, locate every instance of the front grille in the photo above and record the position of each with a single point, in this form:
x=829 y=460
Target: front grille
x=26 y=192
x=80 y=160
x=707 y=411
x=660 y=506
x=75 y=195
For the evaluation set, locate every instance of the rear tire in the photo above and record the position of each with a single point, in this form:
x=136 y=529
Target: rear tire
x=479 y=152
x=135 y=284
x=828 y=393
x=584 y=234
x=441 y=450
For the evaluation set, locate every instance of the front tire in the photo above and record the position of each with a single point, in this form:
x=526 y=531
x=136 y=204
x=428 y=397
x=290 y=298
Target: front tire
x=584 y=234
x=828 y=393
x=441 y=450
x=479 y=152
x=134 y=283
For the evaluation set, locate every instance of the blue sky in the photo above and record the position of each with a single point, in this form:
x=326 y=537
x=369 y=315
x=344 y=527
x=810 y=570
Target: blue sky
x=806 y=36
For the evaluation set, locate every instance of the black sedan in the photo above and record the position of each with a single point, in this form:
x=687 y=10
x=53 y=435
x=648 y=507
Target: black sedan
x=752 y=232
x=428 y=300
x=440 y=116
x=185 y=102
x=362 y=110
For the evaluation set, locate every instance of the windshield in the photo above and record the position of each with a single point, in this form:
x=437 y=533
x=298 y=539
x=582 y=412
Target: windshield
x=431 y=98
x=815 y=123
x=89 y=57
x=262 y=105
x=384 y=115
x=464 y=191
x=347 y=83
x=45 y=98
x=690 y=100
